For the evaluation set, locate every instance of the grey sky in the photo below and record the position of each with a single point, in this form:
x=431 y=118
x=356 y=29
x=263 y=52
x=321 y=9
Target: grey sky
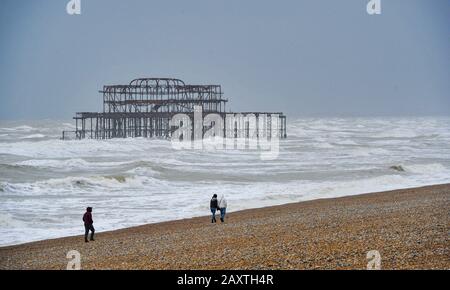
x=302 y=57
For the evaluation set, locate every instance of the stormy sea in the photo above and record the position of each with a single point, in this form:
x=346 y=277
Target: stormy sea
x=46 y=183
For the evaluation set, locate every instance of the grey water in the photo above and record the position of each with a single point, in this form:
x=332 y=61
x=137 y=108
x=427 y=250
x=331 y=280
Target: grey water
x=46 y=183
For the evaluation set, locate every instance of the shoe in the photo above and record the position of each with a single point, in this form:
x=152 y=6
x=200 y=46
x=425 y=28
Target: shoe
x=92 y=240
x=86 y=241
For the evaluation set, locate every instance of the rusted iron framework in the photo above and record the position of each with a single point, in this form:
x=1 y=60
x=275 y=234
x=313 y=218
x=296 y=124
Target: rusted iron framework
x=145 y=106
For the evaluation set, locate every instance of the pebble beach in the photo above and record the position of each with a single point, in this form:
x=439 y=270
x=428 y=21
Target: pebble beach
x=410 y=229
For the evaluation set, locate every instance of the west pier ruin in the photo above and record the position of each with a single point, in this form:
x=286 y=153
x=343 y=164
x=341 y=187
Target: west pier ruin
x=147 y=107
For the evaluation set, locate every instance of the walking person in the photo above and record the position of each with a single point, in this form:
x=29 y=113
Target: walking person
x=88 y=224
x=213 y=206
x=222 y=204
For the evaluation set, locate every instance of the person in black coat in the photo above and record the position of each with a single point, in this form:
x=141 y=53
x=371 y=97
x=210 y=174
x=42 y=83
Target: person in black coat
x=213 y=206
x=88 y=224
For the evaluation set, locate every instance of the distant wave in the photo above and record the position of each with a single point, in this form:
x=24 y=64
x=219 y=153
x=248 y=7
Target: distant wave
x=69 y=164
x=23 y=128
x=56 y=148
x=33 y=136
x=149 y=167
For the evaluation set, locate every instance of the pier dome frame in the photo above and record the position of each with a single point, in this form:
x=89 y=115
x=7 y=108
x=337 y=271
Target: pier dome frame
x=145 y=106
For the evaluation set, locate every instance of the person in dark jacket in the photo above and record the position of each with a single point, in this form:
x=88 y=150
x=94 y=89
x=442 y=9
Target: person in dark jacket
x=213 y=206
x=88 y=224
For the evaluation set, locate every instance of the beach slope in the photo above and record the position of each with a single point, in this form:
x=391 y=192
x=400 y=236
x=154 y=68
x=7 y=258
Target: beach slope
x=409 y=228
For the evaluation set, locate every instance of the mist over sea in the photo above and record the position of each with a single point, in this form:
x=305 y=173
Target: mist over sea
x=46 y=183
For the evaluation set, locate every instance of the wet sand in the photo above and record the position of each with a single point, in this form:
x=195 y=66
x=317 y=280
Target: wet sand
x=410 y=228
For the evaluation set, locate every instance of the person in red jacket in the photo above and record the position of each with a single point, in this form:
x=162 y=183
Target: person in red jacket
x=88 y=224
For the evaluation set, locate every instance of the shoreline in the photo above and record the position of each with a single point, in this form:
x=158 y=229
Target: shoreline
x=217 y=214
x=409 y=227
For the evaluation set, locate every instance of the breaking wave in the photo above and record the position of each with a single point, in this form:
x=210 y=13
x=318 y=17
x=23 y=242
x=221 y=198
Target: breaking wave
x=434 y=168
x=78 y=185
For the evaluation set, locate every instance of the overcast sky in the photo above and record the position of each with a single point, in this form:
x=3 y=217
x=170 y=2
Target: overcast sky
x=302 y=57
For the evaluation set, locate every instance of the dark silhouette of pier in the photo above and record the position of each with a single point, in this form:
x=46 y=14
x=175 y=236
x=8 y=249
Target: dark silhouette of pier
x=146 y=106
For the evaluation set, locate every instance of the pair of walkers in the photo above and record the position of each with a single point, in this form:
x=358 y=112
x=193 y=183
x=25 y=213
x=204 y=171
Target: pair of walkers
x=218 y=204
